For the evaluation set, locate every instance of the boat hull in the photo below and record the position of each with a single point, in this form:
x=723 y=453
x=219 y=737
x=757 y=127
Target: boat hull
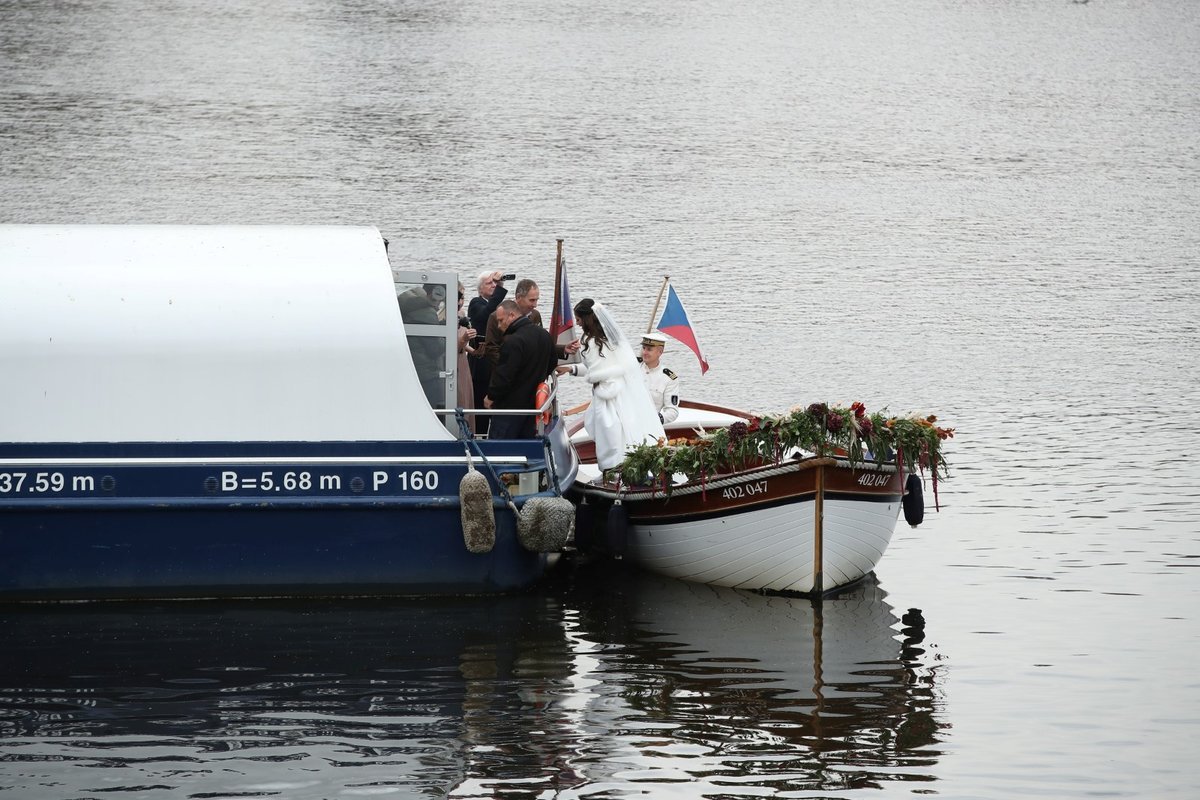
x=758 y=529
x=192 y=553
x=200 y=410
x=274 y=519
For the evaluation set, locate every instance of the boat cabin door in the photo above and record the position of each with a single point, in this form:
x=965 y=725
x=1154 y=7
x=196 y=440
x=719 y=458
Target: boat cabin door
x=429 y=307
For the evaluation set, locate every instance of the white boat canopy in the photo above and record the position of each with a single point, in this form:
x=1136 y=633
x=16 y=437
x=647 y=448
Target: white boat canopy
x=203 y=333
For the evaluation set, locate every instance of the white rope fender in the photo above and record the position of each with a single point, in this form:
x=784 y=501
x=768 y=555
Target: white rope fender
x=545 y=524
x=475 y=503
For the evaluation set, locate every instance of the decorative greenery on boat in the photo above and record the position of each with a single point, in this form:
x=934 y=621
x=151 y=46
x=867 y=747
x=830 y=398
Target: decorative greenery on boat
x=913 y=442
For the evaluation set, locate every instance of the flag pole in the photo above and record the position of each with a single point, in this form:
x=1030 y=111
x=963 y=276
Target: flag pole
x=557 y=282
x=654 y=313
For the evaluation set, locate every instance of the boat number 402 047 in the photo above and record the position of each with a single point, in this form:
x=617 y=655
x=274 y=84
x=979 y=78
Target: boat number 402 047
x=744 y=490
x=873 y=479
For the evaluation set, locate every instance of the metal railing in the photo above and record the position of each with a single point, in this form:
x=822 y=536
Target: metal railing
x=540 y=411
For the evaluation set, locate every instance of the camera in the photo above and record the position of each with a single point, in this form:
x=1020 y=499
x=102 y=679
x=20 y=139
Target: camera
x=508 y=276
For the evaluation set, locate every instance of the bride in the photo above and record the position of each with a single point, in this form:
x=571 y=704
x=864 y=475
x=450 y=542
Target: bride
x=620 y=414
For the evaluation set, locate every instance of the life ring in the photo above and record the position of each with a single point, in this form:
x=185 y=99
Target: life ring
x=914 y=500
x=539 y=399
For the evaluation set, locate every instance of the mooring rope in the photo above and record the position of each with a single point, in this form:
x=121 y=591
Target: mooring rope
x=550 y=462
x=469 y=439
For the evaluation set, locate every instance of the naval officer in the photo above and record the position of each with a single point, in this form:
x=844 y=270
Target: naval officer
x=662 y=382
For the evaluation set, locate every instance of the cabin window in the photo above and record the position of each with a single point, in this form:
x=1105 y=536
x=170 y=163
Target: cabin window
x=423 y=309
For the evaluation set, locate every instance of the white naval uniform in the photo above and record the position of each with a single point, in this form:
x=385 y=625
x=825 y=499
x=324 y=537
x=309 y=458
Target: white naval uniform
x=664 y=391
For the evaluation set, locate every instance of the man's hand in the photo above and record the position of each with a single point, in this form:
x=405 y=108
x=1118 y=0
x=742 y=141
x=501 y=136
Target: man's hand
x=487 y=402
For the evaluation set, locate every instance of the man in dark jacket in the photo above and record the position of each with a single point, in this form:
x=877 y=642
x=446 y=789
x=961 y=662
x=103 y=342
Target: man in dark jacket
x=526 y=357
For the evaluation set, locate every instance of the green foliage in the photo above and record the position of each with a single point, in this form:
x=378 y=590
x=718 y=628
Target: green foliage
x=914 y=442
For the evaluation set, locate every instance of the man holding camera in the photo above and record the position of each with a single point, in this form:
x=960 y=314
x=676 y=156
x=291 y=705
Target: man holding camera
x=526 y=297
x=480 y=310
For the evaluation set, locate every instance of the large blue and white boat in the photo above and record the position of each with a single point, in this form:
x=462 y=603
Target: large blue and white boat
x=195 y=411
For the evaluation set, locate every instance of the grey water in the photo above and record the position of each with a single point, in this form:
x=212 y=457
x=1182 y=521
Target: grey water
x=987 y=211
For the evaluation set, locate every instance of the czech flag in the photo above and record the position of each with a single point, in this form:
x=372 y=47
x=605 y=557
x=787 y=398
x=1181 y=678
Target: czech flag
x=563 y=318
x=674 y=322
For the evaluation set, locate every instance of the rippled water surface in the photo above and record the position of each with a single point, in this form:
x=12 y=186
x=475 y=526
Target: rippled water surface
x=987 y=211
x=606 y=684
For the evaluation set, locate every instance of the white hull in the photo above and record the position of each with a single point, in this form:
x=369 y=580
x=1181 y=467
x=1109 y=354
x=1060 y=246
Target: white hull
x=769 y=548
x=758 y=528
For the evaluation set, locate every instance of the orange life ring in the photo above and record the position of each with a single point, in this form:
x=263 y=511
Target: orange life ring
x=539 y=399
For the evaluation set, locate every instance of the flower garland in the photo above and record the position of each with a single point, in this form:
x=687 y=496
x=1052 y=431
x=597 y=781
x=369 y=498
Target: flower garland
x=911 y=442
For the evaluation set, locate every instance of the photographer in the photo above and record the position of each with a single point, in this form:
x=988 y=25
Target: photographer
x=480 y=309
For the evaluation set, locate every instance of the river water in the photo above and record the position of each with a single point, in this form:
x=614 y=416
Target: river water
x=986 y=211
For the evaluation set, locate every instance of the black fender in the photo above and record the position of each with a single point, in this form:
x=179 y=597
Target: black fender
x=586 y=515
x=914 y=500
x=617 y=529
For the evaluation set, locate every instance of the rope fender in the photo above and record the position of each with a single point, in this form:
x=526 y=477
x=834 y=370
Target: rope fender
x=475 y=500
x=544 y=524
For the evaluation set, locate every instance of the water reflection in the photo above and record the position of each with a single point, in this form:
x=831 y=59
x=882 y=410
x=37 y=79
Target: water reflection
x=267 y=700
x=728 y=688
x=609 y=684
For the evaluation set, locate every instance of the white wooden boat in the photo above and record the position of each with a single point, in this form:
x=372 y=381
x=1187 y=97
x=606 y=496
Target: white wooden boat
x=806 y=523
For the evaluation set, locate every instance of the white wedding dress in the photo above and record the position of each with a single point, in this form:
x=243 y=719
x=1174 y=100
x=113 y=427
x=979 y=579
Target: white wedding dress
x=621 y=414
